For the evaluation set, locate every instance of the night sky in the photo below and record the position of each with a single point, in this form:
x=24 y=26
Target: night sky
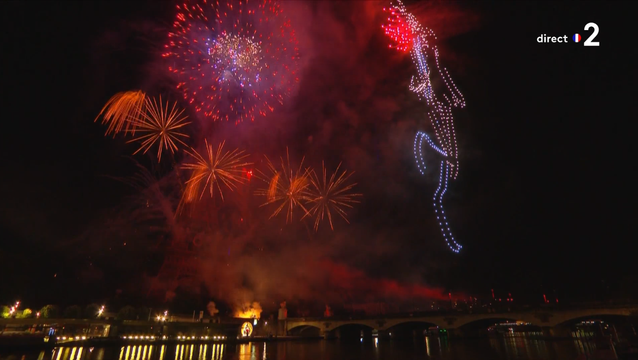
x=543 y=203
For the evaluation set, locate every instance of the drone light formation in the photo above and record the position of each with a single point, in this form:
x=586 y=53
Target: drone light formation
x=328 y=195
x=211 y=171
x=410 y=36
x=234 y=60
x=159 y=126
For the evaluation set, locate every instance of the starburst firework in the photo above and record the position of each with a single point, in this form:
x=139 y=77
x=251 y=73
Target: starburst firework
x=213 y=170
x=287 y=188
x=330 y=195
x=233 y=60
x=159 y=125
x=121 y=109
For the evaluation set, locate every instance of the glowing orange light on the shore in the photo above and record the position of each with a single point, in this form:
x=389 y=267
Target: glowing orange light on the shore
x=249 y=314
x=249 y=311
x=246 y=329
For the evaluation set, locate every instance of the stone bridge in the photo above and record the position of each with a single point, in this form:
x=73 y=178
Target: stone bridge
x=547 y=319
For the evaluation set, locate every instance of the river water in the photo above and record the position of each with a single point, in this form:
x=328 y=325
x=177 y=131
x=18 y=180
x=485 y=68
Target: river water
x=505 y=347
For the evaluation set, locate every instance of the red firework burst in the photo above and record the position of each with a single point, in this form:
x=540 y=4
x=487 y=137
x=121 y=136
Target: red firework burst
x=233 y=60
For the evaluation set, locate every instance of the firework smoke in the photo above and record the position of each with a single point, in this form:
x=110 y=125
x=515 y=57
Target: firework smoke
x=212 y=309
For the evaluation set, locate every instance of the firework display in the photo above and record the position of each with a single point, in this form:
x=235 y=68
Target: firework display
x=154 y=122
x=121 y=109
x=159 y=125
x=410 y=36
x=316 y=196
x=287 y=188
x=210 y=208
x=210 y=172
x=234 y=60
x=328 y=195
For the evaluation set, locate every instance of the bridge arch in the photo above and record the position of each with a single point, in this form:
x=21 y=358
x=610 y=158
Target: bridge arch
x=606 y=317
x=568 y=317
x=409 y=328
x=305 y=330
x=354 y=324
x=403 y=322
x=396 y=322
x=487 y=321
x=352 y=330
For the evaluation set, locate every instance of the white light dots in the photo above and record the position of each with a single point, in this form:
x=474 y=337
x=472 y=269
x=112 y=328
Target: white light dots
x=410 y=36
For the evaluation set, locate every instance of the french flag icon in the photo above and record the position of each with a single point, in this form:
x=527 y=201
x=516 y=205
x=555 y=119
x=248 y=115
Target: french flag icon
x=576 y=38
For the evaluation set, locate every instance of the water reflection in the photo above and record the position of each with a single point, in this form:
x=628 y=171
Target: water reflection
x=515 y=346
x=520 y=346
x=250 y=351
x=99 y=353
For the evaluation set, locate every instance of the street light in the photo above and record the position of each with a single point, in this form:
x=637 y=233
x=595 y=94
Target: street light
x=101 y=311
x=163 y=318
x=14 y=308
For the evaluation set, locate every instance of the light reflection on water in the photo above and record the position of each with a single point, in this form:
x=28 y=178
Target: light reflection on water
x=508 y=346
x=515 y=346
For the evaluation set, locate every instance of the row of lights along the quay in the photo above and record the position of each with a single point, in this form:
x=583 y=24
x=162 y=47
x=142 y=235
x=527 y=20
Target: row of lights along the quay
x=147 y=337
x=70 y=338
x=201 y=338
x=179 y=337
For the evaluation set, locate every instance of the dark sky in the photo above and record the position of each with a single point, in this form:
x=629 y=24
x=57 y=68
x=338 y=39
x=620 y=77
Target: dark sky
x=543 y=202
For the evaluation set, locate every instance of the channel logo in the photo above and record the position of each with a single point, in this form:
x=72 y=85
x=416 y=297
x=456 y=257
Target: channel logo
x=576 y=38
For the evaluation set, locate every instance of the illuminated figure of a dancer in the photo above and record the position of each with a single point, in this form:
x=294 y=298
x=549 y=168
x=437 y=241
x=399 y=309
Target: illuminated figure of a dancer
x=411 y=36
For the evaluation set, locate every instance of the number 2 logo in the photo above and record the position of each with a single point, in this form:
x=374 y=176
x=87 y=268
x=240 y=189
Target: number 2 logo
x=590 y=40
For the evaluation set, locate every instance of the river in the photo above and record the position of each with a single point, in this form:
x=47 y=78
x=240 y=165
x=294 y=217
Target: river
x=505 y=347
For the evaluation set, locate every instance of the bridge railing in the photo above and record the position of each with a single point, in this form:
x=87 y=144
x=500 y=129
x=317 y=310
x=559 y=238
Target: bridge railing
x=417 y=314
x=495 y=311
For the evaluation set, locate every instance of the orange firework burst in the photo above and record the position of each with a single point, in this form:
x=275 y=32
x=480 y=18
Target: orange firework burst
x=159 y=125
x=328 y=195
x=287 y=188
x=121 y=109
x=216 y=169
